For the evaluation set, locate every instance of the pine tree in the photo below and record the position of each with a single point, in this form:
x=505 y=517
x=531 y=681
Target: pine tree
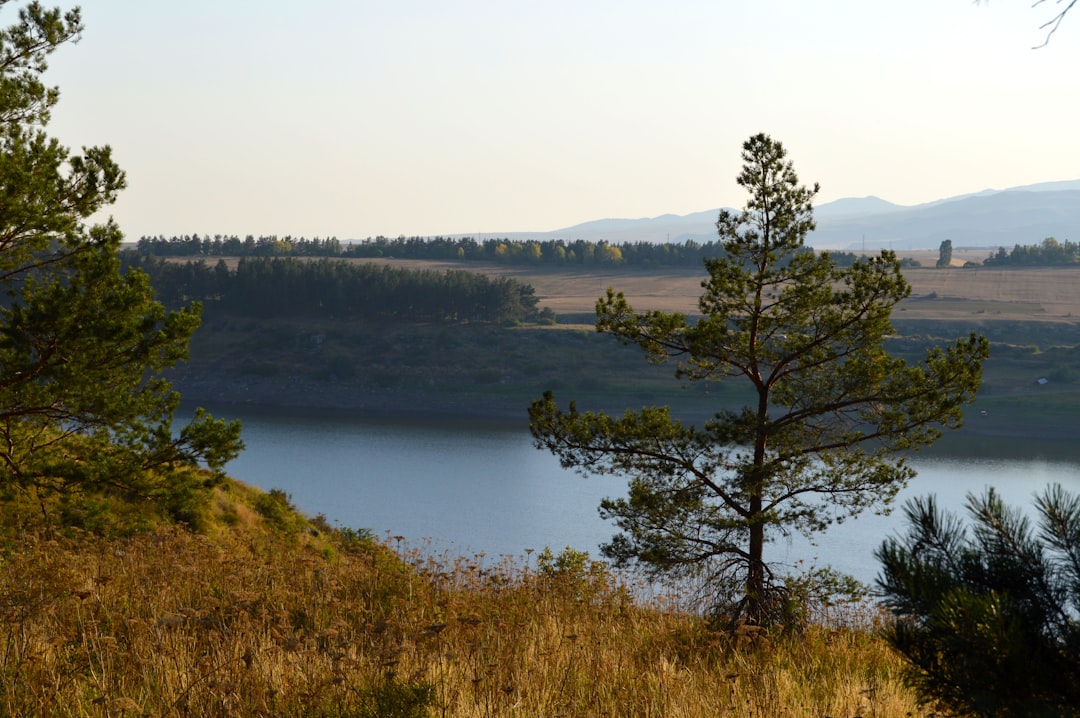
x=82 y=403
x=945 y=254
x=989 y=619
x=829 y=410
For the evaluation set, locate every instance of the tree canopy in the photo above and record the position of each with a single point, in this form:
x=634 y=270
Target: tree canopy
x=1048 y=253
x=81 y=342
x=989 y=618
x=945 y=253
x=828 y=410
x=292 y=287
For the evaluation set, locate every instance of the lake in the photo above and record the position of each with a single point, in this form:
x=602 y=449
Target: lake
x=464 y=487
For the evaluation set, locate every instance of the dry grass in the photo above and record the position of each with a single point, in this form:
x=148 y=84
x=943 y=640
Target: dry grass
x=252 y=623
x=970 y=294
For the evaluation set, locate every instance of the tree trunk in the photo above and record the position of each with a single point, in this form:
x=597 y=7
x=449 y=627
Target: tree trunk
x=756 y=600
x=755 y=578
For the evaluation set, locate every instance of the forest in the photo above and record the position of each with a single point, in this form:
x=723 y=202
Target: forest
x=1049 y=253
x=549 y=252
x=291 y=288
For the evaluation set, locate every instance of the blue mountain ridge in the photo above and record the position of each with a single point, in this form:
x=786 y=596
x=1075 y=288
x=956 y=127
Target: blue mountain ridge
x=987 y=219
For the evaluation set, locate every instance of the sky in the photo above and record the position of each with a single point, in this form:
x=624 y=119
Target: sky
x=359 y=118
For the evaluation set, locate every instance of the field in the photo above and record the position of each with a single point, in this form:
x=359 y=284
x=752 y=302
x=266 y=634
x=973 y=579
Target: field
x=970 y=294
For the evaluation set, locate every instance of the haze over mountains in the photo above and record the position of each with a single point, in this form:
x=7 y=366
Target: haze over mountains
x=987 y=219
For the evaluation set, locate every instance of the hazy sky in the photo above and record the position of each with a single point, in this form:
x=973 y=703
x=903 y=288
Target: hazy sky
x=356 y=118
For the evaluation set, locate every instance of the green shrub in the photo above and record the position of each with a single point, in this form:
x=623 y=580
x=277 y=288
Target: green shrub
x=276 y=507
x=391 y=699
x=987 y=616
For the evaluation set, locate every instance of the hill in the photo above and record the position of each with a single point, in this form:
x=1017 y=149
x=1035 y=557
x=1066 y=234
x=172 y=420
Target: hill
x=256 y=619
x=987 y=219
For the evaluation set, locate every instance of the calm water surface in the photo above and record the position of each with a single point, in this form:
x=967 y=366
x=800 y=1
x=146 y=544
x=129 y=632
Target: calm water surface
x=468 y=487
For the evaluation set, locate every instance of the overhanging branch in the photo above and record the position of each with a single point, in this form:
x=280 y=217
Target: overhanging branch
x=1053 y=23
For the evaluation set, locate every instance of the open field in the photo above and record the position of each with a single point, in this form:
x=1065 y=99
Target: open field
x=954 y=294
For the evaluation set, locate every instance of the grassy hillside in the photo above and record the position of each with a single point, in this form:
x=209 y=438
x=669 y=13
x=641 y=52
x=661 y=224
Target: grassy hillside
x=269 y=613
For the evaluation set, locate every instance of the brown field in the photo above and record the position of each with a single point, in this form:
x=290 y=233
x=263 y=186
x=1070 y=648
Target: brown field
x=958 y=293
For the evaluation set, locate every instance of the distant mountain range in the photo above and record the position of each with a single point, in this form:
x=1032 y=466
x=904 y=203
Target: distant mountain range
x=987 y=219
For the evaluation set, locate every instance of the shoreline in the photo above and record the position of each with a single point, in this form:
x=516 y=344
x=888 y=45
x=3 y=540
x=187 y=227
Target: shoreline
x=508 y=410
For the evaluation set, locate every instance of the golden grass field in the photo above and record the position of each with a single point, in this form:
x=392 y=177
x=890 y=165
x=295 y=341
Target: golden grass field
x=253 y=622
x=956 y=294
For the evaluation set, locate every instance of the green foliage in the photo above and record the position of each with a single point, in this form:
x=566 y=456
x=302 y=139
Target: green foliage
x=556 y=252
x=546 y=317
x=393 y=699
x=569 y=563
x=1049 y=253
x=102 y=515
x=355 y=540
x=285 y=287
x=108 y=511
x=945 y=253
x=574 y=572
x=81 y=342
x=232 y=246
x=829 y=406
x=989 y=619
x=277 y=508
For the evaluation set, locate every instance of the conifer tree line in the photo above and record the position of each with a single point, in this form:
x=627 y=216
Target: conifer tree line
x=1048 y=253
x=550 y=252
x=284 y=287
x=192 y=245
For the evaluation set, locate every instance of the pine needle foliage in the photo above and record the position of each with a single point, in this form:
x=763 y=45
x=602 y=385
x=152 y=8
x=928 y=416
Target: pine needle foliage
x=989 y=615
x=830 y=408
x=82 y=344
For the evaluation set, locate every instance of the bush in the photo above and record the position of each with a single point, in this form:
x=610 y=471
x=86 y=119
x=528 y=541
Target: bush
x=988 y=618
x=276 y=507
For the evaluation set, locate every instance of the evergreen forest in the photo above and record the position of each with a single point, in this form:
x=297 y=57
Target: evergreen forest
x=548 y=252
x=324 y=288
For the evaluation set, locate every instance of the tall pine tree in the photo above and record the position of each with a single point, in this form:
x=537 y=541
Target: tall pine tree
x=829 y=410
x=81 y=343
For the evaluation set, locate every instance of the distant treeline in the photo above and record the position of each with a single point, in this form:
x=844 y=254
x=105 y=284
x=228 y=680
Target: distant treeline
x=551 y=252
x=286 y=287
x=192 y=245
x=1051 y=253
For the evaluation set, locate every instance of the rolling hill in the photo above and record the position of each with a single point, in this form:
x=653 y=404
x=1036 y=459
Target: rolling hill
x=987 y=219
